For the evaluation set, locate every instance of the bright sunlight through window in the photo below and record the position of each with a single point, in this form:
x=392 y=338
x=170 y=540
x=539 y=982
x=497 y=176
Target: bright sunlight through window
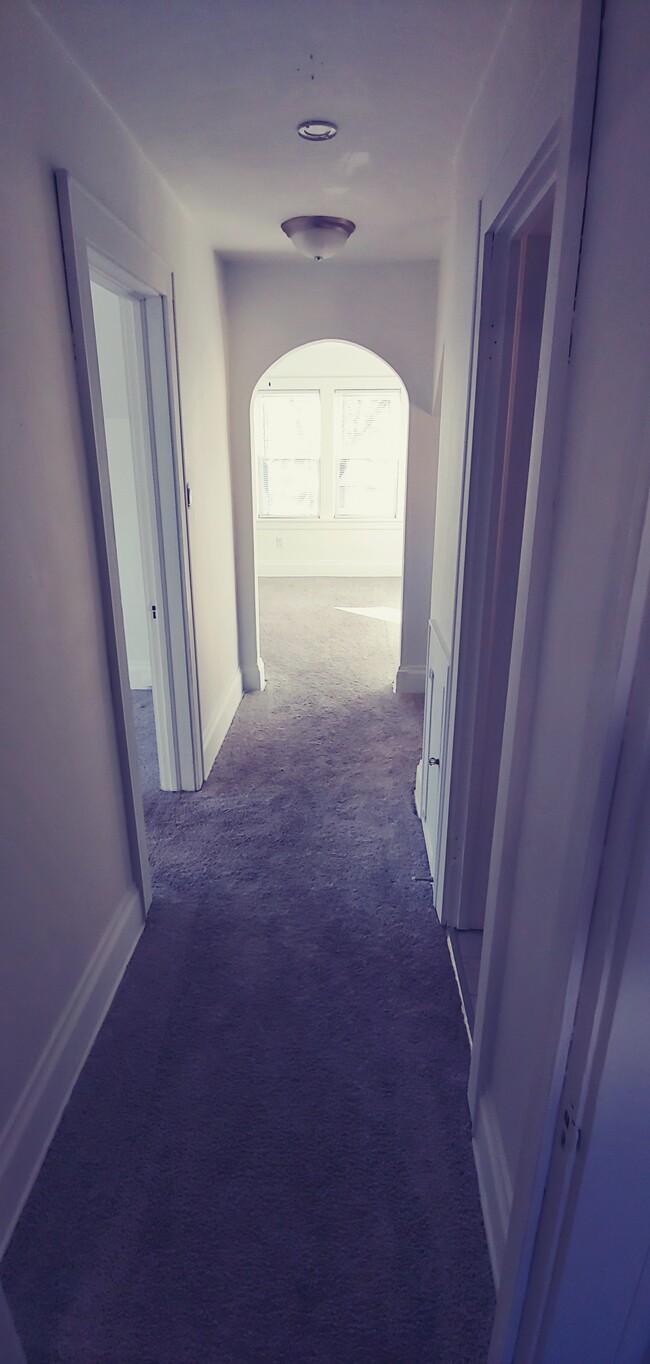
x=325 y=452
x=367 y=434
x=289 y=428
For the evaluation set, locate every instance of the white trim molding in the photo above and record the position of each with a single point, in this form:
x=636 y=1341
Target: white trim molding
x=495 y=1185
x=140 y=676
x=27 y=1134
x=411 y=679
x=221 y=721
x=254 y=676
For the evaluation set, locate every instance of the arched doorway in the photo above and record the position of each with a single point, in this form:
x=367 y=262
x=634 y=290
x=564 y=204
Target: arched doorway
x=329 y=441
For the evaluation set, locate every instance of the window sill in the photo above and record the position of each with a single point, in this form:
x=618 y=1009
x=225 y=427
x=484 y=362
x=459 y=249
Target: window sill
x=341 y=522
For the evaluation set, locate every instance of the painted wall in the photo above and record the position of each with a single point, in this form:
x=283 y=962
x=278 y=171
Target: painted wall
x=604 y=482
x=534 y=51
x=330 y=360
x=527 y=87
x=389 y=309
x=65 y=867
x=110 y=353
x=548 y=866
x=328 y=547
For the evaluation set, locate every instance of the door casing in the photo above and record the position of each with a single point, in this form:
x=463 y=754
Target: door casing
x=97 y=243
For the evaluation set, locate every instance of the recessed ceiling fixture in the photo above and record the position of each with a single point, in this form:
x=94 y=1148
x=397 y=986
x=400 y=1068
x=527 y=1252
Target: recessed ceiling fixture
x=317 y=236
x=317 y=130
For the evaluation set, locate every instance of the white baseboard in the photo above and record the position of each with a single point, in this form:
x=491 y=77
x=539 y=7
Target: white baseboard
x=31 y=1127
x=221 y=721
x=140 y=676
x=253 y=676
x=495 y=1186
x=329 y=568
x=411 y=679
x=430 y=850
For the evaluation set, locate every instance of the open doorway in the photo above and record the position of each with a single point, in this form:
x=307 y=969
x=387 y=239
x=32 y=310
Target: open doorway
x=120 y=295
x=329 y=431
x=133 y=506
x=516 y=263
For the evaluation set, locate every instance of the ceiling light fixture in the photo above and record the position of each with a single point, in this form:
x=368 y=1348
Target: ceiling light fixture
x=317 y=130
x=317 y=236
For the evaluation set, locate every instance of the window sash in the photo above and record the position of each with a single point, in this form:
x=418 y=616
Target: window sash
x=288 y=423
x=367 y=482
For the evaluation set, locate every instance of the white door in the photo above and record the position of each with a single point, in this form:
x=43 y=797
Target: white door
x=433 y=751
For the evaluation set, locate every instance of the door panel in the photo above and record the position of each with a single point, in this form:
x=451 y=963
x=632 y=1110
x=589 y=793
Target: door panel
x=433 y=756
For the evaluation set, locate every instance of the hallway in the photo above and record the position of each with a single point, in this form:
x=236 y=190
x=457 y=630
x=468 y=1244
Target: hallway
x=267 y=1157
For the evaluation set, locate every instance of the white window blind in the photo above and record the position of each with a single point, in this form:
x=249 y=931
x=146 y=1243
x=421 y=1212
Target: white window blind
x=289 y=439
x=368 y=435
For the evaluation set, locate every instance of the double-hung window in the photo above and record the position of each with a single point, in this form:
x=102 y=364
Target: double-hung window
x=289 y=450
x=368 y=441
x=330 y=450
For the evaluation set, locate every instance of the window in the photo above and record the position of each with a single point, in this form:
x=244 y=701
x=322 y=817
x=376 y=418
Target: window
x=330 y=449
x=288 y=442
x=368 y=438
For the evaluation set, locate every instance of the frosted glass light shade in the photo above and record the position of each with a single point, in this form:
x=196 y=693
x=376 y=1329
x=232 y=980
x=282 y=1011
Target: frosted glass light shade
x=318 y=237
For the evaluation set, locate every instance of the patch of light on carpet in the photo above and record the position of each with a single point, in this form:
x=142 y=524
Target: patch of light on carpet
x=389 y=613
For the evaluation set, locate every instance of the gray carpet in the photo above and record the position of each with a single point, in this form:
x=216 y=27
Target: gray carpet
x=267 y=1158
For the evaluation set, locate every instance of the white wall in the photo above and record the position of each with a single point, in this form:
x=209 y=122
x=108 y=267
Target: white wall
x=390 y=309
x=535 y=51
x=65 y=867
x=119 y=443
x=601 y=497
x=548 y=861
x=328 y=547
x=527 y=87
x=330 y=360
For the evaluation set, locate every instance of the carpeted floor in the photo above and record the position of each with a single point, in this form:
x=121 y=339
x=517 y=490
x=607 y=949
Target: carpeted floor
x=267 y=1157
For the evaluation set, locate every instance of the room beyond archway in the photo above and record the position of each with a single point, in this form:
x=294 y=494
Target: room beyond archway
x=329 y=432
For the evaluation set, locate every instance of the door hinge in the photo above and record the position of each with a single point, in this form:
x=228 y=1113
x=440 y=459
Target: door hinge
x=154 y=612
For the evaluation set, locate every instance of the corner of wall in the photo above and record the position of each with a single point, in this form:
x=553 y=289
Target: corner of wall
x=222 y=718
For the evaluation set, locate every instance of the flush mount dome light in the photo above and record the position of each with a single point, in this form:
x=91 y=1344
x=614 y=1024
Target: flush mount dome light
x=317 y=130
x=318 y=237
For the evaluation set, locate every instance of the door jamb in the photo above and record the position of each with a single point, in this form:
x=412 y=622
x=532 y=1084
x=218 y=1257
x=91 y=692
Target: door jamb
x=499 y=226
x=92 y=236
x=546 y=450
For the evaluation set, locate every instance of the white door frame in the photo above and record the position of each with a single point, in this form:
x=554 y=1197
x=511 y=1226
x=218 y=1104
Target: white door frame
x=543 y=150
x=255 y=680
x=151 y=550
x=477 y=741
x=595 y=989
x=512 y=1214
x=98 y=244
x=552 y=144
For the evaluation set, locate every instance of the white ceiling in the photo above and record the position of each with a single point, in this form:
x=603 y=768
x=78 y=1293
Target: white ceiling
x=213 y=91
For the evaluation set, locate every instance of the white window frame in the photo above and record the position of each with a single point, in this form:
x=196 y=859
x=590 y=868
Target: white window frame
x=361 y=391
x=257 y=427
x=327 y=387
